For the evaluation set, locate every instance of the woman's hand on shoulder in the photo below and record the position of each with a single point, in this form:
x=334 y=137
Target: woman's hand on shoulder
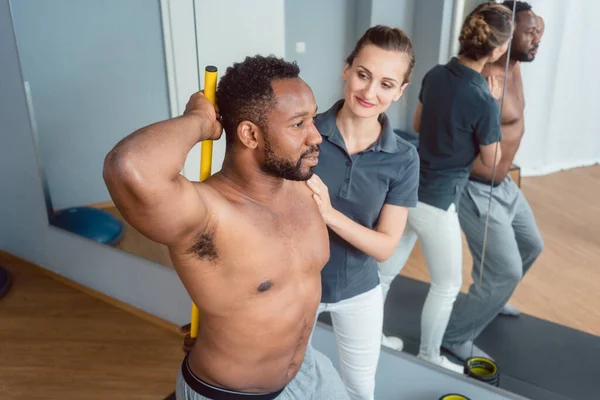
x=321 y=197
x=495 y=86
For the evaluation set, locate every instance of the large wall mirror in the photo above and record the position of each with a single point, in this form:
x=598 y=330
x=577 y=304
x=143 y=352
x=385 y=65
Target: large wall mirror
x=529 y=295
x=97 y=71
x=94 y=72
x=542 y=242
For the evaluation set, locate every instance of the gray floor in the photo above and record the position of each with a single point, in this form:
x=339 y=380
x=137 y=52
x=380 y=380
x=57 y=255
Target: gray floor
x=537 y=359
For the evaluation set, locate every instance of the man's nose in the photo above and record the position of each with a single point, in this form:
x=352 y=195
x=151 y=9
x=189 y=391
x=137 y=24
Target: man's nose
x=314 y=137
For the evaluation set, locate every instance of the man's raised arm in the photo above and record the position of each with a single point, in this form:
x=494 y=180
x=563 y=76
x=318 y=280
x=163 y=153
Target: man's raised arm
x=142 y=173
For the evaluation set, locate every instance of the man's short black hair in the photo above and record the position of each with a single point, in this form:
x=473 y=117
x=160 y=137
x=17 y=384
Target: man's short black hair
x=245 y=91
x=521 y=6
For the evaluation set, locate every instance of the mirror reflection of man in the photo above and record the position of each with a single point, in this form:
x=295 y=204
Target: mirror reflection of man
x=513 y=239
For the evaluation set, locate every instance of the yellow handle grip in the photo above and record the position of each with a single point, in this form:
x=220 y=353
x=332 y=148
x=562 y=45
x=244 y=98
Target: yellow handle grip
x=210 y=90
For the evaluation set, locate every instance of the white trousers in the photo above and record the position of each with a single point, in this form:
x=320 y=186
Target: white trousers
x=357 y=324
x=439 y=234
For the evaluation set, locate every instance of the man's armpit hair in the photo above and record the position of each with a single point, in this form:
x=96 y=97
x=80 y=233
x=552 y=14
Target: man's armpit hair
x=204 y=246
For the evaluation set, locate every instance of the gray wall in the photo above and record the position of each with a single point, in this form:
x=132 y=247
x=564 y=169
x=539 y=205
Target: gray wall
x=427 y=42
x=397 y=13
x=24 y=228
x=328 y=29
x=363 y=17
x=97 y=72
x=469 y=5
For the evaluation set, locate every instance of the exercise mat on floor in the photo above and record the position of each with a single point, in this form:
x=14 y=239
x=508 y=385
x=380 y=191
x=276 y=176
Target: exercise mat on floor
x=532 y=353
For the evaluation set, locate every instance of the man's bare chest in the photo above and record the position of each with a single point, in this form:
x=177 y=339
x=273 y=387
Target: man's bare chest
x=513 y=106
x=295 y=235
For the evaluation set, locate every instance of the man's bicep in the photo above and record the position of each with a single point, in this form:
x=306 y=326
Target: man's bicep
x=490 y=154
x=165 y=215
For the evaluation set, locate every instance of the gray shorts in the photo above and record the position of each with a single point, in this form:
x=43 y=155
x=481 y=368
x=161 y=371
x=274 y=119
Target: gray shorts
x=317 y=379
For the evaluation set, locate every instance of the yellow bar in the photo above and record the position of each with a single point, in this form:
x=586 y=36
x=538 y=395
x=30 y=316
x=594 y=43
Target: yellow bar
x=206 y=159
x=210 y=83
x=210 y=90
x=195 y=321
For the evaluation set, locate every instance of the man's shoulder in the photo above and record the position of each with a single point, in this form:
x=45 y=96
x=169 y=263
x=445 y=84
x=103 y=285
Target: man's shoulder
x=301 y=189
x=216 y=193
x=210 y=185
x=517 y=69
x=494 y=69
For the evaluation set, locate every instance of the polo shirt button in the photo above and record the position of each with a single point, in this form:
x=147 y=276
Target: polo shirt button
x=347 y=180
x=348 y=163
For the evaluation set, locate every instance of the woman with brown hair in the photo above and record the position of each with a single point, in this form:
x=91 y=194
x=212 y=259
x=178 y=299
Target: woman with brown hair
x=368 y=179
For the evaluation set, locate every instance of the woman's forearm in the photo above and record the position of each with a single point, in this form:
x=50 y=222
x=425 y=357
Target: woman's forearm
x=376 y=244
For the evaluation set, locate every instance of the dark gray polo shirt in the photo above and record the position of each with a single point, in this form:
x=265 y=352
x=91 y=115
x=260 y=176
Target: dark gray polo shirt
x=459 y=114
x=359 y=185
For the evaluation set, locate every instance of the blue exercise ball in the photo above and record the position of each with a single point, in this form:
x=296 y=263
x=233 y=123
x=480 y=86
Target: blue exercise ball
x=92 y=223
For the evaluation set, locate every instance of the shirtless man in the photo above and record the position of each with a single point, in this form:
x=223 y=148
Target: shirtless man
x=513 y=241
x=249 y=242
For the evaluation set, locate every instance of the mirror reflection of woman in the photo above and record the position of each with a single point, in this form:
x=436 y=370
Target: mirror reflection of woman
x=365 y=180
x=458 y=119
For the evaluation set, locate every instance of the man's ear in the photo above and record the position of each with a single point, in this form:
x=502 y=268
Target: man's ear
x=248 y=133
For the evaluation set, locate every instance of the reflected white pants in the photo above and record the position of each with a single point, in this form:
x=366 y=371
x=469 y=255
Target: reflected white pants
x=357 y=324
x=439 y=234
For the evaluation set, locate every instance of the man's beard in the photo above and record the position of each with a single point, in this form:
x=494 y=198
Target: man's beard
x=522 y=56
x=286 y=169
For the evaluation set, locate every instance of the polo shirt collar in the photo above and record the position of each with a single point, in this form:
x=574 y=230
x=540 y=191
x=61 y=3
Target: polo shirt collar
x=386 y=142
x=462 y=70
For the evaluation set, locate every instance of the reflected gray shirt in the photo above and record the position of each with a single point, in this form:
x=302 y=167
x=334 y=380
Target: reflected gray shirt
x=459 y=115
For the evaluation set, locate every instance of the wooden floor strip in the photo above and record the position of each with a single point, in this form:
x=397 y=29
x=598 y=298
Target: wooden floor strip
x=59 y=342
